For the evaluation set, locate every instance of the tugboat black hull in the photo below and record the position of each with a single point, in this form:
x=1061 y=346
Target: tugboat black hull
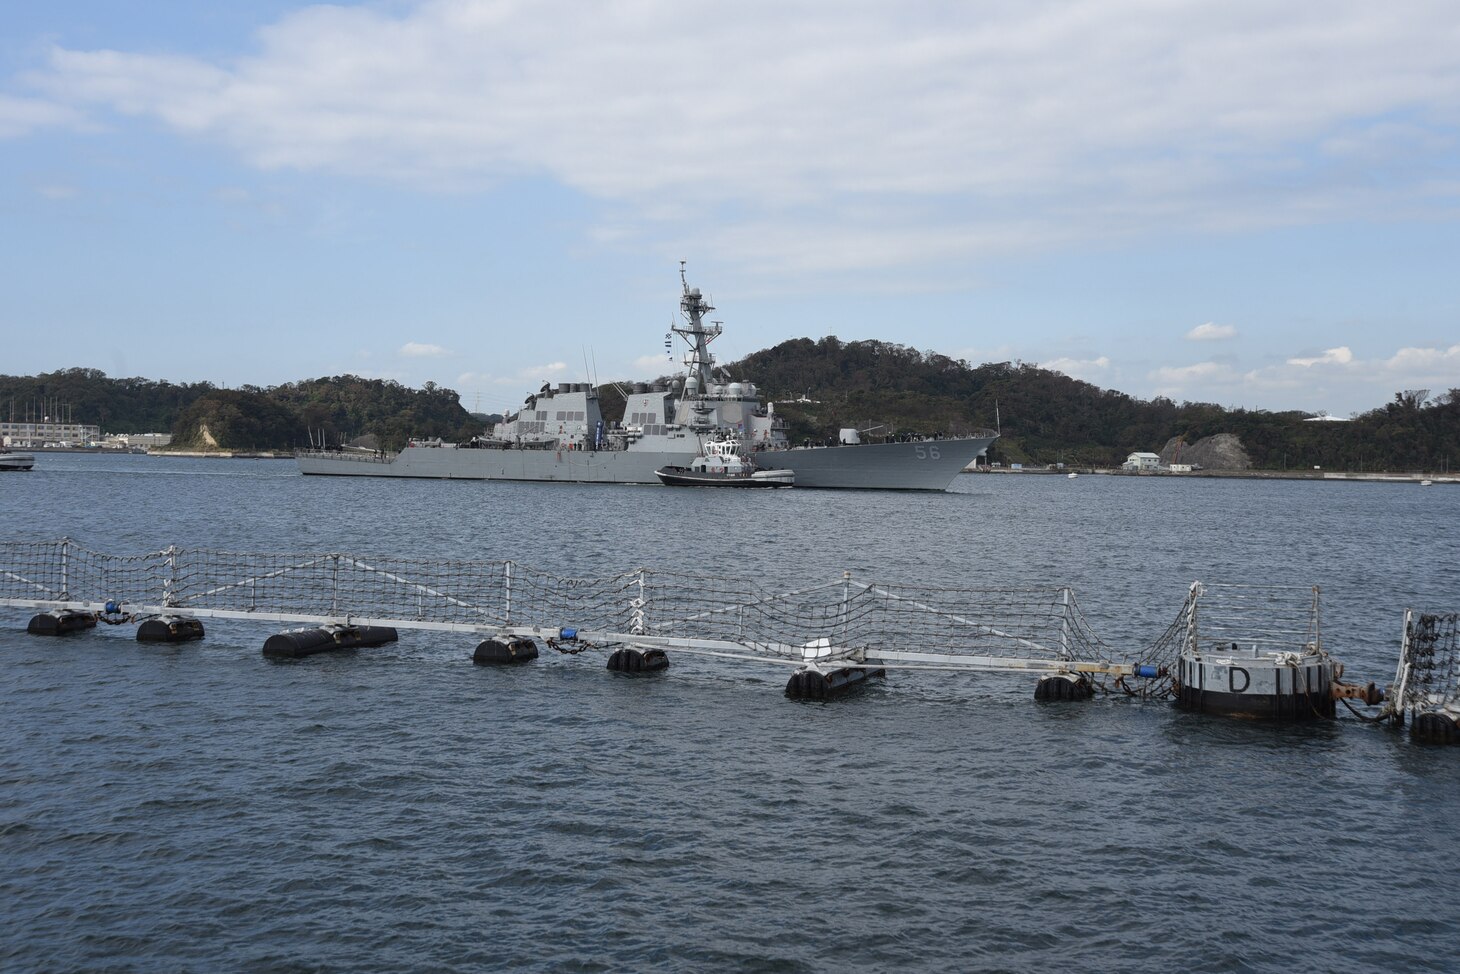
x=685 y=477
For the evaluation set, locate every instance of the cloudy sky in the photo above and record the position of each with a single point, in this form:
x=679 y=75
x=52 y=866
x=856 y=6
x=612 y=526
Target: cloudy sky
x=1249 y=203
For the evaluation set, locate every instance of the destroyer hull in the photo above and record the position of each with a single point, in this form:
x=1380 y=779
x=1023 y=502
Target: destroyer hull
x=927 y=465
x=447 y=463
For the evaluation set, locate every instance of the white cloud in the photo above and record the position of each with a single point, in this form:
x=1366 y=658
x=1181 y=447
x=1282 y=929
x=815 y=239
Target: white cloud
x=468 y=379
x=487 y=391
x=21 y=116
x=1338 y=373
x=986 y=353
x=887 y=136
x=421 y=350
x=1210 y=332
x=528 y=379
x=1427 y=364
x=58 y=191
x=1333 y=356
x=1078 y=368
x=1178 y=374
x=1277 y=377
x=651 y=366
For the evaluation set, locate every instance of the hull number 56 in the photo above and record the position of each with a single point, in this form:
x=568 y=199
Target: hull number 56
x=925 y=452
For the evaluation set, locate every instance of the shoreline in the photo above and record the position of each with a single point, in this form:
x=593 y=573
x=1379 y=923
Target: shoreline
x=1316 y=475
x=223 y=454
x=154 y=452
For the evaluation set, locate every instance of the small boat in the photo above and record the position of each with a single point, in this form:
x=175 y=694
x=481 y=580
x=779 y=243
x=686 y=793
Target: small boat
x=1425 y=483
x=1072 y=475
x=16 y=461
x=722 y=463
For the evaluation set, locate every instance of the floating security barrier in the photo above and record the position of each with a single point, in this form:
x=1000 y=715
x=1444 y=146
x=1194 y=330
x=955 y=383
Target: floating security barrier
x=169 y=629
x=860 y=626
x=295 y=643
x=1063 y=686
x=1434 y=727
x=1278 y=686
x=1427 y=683
x=813 y=684
x=504 y=649
x=60 y=622
x=634 y=661
x=1258 y=653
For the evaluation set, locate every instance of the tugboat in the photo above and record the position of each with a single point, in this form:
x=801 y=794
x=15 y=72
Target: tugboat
x=721 y=463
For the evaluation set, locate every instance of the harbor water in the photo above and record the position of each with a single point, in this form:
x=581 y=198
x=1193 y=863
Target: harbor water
x=198 y=807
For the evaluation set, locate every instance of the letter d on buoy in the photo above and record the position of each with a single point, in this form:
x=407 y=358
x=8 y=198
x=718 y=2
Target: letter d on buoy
x=1232 y=680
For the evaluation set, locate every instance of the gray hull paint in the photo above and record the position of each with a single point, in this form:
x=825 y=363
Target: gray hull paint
x=448 y=463
x=927 y=465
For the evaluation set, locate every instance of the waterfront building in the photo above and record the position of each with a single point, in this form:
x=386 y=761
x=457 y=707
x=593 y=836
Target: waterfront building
x=1141 y=462
x=37 y=435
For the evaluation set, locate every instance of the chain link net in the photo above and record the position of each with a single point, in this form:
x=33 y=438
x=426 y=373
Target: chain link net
x=1432 y=655
x=1267 y=619
x=829 y=619
x=852 y=614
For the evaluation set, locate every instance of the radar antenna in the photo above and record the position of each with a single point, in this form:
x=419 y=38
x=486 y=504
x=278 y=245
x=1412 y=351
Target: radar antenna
x=696 y=334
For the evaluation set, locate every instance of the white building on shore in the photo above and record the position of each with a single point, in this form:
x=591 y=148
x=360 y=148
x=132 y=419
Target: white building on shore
x=37 y=435
x=132 y=441
x=1139 y=462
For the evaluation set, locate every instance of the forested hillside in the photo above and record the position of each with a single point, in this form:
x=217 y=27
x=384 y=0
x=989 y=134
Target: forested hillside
x=235 y=419
x=347 y=406
x=1047 y=417
x=116 y=405
x=248 y=418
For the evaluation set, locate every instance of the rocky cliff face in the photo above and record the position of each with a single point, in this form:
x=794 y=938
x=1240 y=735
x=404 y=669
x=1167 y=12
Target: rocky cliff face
x=1220 y=452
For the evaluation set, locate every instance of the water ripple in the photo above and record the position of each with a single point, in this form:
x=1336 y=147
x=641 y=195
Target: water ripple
x=201 y=808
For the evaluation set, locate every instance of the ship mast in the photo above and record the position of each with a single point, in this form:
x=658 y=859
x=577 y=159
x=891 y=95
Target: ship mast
x=696 y=333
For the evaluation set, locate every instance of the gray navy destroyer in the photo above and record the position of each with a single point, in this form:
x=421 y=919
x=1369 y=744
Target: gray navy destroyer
x=559 y=434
